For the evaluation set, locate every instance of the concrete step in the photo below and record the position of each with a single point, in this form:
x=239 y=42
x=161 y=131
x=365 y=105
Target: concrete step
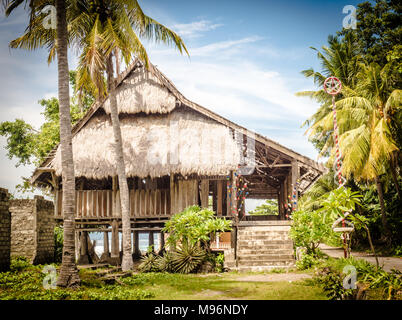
x=264 y=263
x=253 y=224
x=287 y=246
x=262 y=268
x=259 y=243
x=262 y=232
x=263 y=251
x=266 y=257
x=262 y=240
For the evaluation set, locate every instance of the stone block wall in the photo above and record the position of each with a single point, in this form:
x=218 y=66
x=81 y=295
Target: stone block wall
x=32 y=229
x=5 y=230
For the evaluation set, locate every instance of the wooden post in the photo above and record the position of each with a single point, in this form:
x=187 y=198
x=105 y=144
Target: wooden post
x=106 y=253
x=219 y=197
x=151 y=240
x=115 y=254
x=234 y=213
x=234 y=196
x=295 y=178
x=204 y=190
x=114 y=197
x=137 y=252
x=172 y=195
x=84 y=254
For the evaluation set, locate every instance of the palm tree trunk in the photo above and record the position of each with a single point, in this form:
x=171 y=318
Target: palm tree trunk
x=395 y=176
x=68 y=272
x=127 y=262
x=387 y=232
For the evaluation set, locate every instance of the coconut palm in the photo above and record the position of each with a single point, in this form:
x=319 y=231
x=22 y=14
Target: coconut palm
x=340 y=59
x=68 y=272
x=365 y=138
x=102 y=28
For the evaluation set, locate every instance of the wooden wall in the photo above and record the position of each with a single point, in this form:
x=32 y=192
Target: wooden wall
x=183 y=193
x=103 y=204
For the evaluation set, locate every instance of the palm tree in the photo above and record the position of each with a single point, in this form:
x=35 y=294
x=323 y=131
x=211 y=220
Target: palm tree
x=103 y=28
x=365 y=137
x=100 y=29
x=342 y=60
x=68 y=272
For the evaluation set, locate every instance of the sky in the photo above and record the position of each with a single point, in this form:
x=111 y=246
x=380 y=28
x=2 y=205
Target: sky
x=245 y=63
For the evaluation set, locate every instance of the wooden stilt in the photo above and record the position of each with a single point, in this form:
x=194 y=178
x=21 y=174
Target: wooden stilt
x=84 y=253
x=106 y=253
x=151 y=240
x=115 y=254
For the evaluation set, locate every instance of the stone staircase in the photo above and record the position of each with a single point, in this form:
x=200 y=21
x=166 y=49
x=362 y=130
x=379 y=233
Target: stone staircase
x=263 y=246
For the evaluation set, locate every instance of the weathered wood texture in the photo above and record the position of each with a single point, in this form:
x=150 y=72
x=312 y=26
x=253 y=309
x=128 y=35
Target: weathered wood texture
x=102 y=203
x=183 y=193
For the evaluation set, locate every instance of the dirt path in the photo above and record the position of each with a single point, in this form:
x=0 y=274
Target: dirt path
x=387 y=263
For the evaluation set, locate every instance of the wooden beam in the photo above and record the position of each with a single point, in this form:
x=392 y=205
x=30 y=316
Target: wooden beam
x=219 y=197
x=295 y=178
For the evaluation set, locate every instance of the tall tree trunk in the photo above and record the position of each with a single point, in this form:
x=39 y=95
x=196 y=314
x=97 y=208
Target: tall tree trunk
x=384 y=221
x=395 y=176
x=68 y=272
x=127 y=262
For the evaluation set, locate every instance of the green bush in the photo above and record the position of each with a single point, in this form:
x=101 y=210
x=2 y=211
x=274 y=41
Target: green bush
x=307 y=261
x=308 y=230
x=332 y=282
x=194 y=225
x=19 y=264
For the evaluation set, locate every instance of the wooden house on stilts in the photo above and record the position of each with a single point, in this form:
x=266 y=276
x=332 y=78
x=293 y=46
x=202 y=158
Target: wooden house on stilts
x=177 y=153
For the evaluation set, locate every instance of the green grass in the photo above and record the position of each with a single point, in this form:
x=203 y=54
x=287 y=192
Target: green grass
x=24 y=282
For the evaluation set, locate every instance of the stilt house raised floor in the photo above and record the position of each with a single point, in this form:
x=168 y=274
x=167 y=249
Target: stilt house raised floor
x=177 y=153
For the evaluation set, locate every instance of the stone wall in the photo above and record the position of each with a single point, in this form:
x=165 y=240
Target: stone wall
x=32 y=229
x=5 y=230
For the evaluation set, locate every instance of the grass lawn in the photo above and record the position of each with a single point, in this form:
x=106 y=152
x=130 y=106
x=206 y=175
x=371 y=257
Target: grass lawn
x=25 y=282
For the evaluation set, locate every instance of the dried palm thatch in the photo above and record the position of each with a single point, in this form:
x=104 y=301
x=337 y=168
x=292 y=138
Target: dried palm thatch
x=142 y=91
x=155 y=145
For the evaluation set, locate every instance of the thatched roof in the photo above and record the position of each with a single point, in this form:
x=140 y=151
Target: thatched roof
x=154 y=145
x=147 y=101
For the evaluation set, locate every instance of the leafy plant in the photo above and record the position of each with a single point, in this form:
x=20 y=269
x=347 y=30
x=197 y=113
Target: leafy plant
x=148 y=263
x=309 y=229
x=194 y=225
x=306 y=262
x=332 y=282
x=19 y=264
x=187 y=257
x=164 y=263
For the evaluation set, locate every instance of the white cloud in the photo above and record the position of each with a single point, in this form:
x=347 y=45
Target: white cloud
x=195 y=29
x=217 y=48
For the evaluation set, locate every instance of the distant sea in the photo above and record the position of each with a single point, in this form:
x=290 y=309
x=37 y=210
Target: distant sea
x=143 y=241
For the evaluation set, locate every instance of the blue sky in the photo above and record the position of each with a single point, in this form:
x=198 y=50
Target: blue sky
x=245 y=62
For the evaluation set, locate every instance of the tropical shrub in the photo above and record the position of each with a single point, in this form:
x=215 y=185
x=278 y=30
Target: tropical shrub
x=307 y=261
x=148 y=263
x=194 y=225
x=187 y=257
x=164 y=263
x=309 y=230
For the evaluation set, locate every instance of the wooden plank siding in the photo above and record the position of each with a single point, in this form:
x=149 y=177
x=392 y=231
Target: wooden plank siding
x=99 y=203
